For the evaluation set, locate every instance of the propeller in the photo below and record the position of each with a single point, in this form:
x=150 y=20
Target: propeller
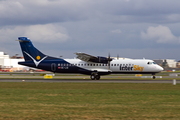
x=109 y=60
x=99 y=59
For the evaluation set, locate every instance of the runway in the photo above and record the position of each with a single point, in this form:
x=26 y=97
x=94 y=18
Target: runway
x=87 y=81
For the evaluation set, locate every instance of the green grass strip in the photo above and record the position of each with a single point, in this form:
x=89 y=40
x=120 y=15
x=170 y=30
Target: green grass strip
x=78 y=101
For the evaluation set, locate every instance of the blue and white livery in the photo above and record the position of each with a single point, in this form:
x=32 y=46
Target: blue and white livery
x=85 y=64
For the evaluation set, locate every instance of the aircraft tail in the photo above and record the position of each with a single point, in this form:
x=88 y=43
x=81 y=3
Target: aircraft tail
x=30 y=53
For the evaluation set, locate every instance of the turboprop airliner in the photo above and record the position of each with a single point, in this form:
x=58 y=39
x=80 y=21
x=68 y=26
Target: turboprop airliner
x=95 y=66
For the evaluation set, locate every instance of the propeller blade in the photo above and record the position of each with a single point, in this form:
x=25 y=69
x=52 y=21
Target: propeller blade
x=109 y=65
x=109 y=60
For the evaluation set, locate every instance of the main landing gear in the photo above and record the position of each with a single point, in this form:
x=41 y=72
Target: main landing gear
x=95 y=76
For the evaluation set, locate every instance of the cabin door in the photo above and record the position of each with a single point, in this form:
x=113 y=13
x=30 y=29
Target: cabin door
x=53 y=67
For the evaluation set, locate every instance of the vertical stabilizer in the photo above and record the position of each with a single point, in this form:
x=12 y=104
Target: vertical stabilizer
x=30 y=53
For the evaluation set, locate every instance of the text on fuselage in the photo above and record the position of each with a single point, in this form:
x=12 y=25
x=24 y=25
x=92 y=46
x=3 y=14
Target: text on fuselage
x=131 y=67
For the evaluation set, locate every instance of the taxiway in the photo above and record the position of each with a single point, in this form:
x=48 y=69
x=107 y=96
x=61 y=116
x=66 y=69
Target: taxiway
x=88 y=81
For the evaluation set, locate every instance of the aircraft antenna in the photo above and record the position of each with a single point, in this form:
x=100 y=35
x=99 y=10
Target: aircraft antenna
x=118 y=56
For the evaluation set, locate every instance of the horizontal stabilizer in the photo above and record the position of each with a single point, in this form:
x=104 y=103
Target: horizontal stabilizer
x=23 y=39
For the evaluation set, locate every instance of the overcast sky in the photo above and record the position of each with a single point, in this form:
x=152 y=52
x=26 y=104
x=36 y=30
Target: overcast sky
x=129 y=28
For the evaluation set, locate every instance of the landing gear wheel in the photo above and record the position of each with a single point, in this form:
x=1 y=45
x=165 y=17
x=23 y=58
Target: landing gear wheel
x=92 y=77
x=153 y=74
x=95 y=76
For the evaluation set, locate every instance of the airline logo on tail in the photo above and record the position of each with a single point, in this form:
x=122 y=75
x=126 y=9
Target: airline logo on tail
x=38 y=58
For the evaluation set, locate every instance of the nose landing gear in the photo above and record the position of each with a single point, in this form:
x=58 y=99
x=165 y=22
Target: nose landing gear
x=154 y=76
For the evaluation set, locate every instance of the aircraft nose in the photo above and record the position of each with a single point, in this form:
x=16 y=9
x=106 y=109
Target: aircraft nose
x=160 y=68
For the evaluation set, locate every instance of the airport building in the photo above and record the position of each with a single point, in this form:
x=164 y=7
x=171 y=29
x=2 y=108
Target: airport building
x=170 y=63
x=10 y=64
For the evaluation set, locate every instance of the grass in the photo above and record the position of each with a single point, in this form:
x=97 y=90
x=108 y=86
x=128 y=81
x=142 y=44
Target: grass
x=89 y=101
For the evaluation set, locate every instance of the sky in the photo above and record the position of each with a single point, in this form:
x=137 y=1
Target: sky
x=127 y=28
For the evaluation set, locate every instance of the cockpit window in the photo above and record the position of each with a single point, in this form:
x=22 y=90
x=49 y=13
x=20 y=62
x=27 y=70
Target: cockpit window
x=149 y=63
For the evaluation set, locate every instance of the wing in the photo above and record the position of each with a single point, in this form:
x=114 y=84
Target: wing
x=86 y=57
x=90 y=58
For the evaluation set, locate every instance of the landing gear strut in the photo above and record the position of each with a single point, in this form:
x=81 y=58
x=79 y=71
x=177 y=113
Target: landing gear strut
x=94 y=76
x=154 y=76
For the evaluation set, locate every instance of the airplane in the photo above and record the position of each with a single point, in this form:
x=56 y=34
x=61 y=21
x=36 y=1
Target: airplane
x=95 y=66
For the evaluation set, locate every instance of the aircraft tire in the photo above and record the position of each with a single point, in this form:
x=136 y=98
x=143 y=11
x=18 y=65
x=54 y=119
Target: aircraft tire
x=92 y=77
x=154 y=77
x=97 y=77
